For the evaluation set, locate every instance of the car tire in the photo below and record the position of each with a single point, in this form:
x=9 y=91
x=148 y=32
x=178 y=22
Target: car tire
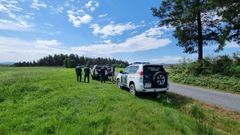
x=132 y=90
x=160 y=79
x=119 y=84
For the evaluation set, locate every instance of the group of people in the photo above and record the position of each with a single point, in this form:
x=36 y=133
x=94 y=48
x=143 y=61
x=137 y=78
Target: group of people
x=87 y=72
x=102 y=72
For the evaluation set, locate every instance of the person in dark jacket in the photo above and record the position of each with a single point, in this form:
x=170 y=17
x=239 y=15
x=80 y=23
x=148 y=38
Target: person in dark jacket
x=86 y=73
x=78 y=70
x=113 y=74
x=103 y=74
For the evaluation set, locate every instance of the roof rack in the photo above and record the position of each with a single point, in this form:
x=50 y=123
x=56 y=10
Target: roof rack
x=141 y=63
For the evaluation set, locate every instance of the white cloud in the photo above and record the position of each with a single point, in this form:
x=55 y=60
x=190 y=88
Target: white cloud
x=111 y=29
x=59 y=9
x=47 y=43
x=103 y=15
x=142 y=42
x=13 y=17
x=49 y=25
x=91 y=5
x=37 y=5
x=14 y=49
x=14 y=26
x=78 y=17
x=166 y=60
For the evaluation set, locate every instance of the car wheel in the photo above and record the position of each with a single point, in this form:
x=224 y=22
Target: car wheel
x=160 y=79
x=119 y=84
x=133 y=90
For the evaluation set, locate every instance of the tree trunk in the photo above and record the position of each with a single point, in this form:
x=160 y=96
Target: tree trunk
x=200 y=37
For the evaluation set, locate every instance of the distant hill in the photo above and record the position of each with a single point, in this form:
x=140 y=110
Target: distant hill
x=6 y=63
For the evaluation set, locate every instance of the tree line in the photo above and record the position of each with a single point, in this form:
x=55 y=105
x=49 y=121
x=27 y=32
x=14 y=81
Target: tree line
x=72 y=60
x=198 y=23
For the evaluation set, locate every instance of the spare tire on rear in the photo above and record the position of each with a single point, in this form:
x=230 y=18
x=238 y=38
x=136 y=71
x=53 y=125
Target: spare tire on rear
x=160 y=79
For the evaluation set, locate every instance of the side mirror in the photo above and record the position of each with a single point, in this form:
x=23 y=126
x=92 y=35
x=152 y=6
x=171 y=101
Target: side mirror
x=121 y=71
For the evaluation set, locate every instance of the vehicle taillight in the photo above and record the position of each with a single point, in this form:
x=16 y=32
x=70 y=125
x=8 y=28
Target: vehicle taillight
x=141 y=73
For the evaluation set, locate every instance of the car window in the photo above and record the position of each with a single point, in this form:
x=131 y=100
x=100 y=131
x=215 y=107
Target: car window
x=126 y=70
x=133 y=69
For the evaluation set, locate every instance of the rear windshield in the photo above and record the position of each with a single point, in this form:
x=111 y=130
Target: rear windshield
x=153 y=68
x=98 y=67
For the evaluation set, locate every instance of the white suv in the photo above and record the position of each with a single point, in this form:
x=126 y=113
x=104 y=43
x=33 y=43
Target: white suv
x=143 y=77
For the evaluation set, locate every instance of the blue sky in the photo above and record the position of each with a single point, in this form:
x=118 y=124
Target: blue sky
x=122 y=29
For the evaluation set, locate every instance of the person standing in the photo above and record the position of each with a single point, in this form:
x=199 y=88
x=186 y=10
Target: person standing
x=78 y=70
x=103 y=74
x=113 y=74
x=86 y=73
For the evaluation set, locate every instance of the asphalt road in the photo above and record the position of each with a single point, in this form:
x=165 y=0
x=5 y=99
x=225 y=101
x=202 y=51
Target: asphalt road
x=222 y=99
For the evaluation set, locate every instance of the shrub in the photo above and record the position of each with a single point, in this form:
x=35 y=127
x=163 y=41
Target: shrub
x=223 y=65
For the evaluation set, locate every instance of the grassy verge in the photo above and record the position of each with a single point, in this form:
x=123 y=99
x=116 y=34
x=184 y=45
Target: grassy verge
x=50 y=101
x=215 y=81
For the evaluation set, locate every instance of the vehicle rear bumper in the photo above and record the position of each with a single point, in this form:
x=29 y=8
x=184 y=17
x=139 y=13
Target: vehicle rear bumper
x=152 y=89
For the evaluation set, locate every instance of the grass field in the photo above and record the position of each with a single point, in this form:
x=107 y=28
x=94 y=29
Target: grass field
x=50 y=101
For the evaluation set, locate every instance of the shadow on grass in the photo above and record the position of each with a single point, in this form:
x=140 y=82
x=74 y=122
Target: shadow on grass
x=167 y=99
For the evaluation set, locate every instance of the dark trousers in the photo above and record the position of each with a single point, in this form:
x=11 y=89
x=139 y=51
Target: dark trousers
x=86 y=76
x=79 y=77
x=103 y=78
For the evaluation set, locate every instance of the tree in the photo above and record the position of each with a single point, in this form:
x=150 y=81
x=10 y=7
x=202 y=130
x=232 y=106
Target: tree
x=194 y=23
x=229 y=11
x=69 y=63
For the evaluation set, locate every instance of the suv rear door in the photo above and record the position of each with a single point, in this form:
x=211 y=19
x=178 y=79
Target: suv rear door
x=155 y=76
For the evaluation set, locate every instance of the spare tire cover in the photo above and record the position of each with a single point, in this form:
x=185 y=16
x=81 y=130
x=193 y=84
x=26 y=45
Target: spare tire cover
x=160 y=79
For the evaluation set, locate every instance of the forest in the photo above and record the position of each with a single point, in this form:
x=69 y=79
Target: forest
x=71 y=61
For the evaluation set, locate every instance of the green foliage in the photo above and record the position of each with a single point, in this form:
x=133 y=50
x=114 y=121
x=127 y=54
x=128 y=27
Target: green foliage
x=69 y=63
x=229 y=12
x=193 y=23
x=219 y=73
x=58 y=60
x=223 y=65
x=196 y=24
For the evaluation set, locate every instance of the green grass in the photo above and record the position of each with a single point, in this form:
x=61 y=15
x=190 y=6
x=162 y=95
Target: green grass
x=212 y=81
x=50 y=101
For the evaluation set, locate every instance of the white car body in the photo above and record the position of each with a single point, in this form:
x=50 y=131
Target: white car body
x=132 y=74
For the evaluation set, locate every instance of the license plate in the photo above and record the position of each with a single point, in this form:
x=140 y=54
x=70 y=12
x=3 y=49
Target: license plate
x=148 y=85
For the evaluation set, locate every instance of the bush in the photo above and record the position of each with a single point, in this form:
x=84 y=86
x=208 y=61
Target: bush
x=223 y=65
x=221 y=73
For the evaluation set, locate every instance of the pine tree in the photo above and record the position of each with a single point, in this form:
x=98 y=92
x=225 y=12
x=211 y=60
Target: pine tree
x=194 y=23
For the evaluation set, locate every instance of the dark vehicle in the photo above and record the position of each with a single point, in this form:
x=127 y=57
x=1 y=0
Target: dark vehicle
x=96 y=71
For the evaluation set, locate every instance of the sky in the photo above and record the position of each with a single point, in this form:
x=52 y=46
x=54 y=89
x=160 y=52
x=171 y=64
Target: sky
x=122 y=29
